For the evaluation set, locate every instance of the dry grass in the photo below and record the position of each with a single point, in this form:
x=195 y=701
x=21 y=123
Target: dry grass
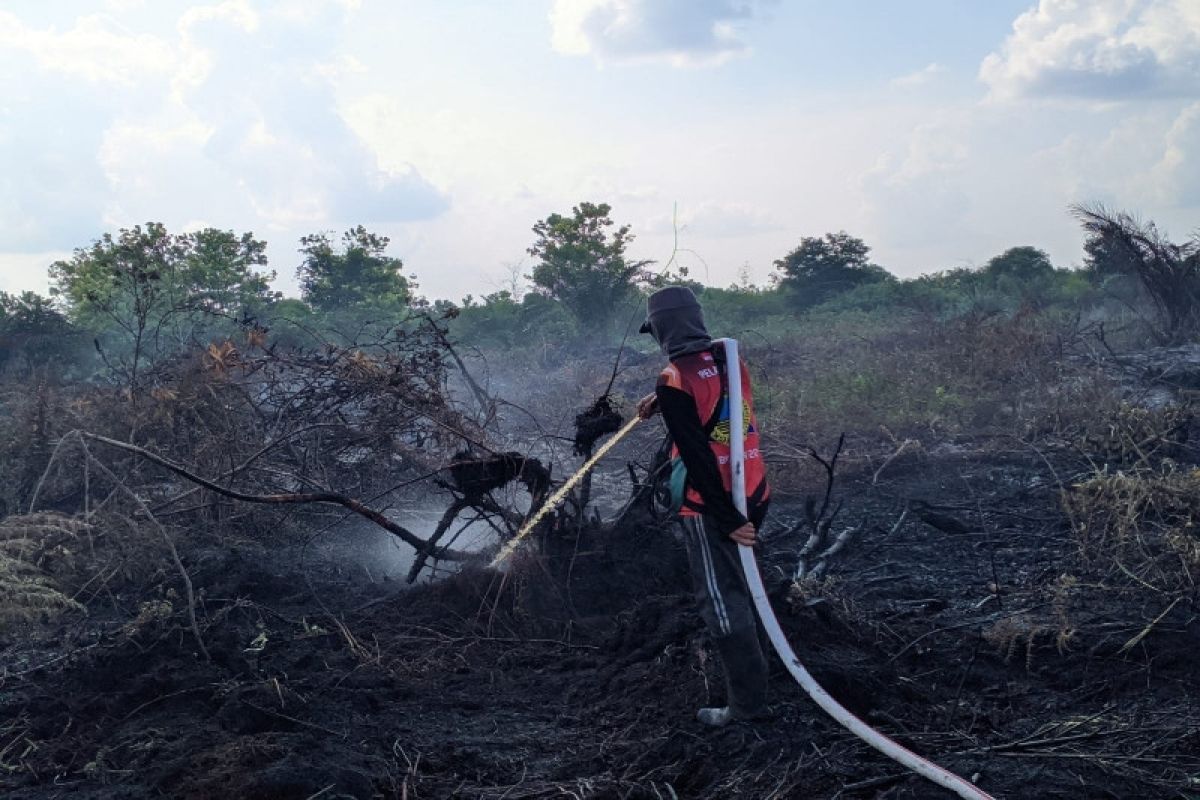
x=1023 y=633
x=1143 y=523
x=1135 y=435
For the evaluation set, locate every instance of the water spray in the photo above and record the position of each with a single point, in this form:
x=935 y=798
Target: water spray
x=890 y=748
x=558 y=496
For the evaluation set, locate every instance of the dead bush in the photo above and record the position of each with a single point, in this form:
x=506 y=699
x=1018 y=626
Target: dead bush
x=1023 y=633
x=1144 y=524
x=1134 y=435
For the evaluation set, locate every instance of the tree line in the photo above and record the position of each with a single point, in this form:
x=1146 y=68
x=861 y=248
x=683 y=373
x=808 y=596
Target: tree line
x=135 y=295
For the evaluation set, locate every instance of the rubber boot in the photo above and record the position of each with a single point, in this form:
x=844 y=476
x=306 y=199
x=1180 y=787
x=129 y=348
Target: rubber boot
x=745 y=679
x=715 y=717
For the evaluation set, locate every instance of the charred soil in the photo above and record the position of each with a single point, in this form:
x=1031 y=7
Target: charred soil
x=577 y=672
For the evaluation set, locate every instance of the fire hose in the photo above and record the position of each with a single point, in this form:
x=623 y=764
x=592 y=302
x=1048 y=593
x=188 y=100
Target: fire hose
x=889 y=747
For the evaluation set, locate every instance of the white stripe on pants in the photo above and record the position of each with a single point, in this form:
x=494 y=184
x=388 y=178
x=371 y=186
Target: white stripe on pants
x=710 y=575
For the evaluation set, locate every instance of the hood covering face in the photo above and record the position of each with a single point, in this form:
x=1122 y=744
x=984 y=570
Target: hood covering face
x=676 y=321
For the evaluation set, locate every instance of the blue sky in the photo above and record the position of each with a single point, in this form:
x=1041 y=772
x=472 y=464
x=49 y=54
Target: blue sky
x=941 y=132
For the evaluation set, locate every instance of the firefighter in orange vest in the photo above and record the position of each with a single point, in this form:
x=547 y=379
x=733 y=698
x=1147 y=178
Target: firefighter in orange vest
x=692 y=395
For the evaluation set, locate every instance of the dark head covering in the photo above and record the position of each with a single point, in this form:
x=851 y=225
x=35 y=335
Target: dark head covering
x=675 y=319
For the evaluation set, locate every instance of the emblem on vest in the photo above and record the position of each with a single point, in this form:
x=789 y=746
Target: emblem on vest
x=720 y=433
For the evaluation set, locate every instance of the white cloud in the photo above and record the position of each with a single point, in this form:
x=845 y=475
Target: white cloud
x=268 y=96
x=231 y=114
x=24 y=272
x=52 y=116
x=679 y=32
x=921 y=77
x=1177 y=173
x=237 y=13
x=95 y=49
x=919 y=193
x=598 y=189
x=974 y=181
x=122 y=6
x=1099 y=50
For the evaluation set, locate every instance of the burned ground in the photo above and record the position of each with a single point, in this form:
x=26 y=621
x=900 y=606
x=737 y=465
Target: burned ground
x=1011 y=592
x=576 y=673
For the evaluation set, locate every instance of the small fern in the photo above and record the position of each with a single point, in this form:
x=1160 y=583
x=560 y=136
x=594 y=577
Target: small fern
x=27 y=594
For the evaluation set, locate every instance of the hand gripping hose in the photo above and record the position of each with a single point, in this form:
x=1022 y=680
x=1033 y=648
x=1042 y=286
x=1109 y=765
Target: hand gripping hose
x=862 y=730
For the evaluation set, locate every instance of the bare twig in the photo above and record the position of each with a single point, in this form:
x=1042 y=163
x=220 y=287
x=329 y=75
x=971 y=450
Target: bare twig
x=820 y=521
x=166 y=537
x=898 y=452
x=1132 y=643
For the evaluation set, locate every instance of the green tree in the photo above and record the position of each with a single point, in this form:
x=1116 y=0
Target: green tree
x=34 y=333
x=149 y=292
x=209 y=271
x=219 y=275
x=358 y=277
x=1021 y=275
x=122 y=285
x=499 y=320
x=1106 y=267
x=1104 y=258
x=821 y=268
x=582 y=263
x=1020 y=264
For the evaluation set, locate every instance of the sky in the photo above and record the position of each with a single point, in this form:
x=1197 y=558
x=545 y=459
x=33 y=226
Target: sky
x=941 y=132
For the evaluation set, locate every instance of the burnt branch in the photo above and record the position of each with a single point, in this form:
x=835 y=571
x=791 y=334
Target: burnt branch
x=820 y=520
x=444 y=525
x=487 y=405
x=601 y=419
x=476 y=476
x=333 y=498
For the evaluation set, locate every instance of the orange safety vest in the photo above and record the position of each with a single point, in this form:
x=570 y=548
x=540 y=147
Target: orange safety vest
x=704 y=378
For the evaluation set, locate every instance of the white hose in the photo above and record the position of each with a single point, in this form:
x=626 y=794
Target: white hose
x=890 y=748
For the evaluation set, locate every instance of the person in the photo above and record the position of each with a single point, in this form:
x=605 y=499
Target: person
x=692 y=396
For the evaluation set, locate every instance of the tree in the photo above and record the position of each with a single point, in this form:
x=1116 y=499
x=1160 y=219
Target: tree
x=156 y=291
x=218 y=273
x=1169 y=273
x=821 y=268
x=1021 y=273
x=1021 y=264
x=119 y=283
x=582 y=263
x=207 y=272
x=1106 y=267
x=361 y=276
x=34 y=333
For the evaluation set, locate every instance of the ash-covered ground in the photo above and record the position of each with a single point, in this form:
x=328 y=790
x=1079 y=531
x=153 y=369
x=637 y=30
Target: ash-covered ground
x=577 y=672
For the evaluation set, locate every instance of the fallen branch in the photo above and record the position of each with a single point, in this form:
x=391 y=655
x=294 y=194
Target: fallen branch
x=822 y=561
x=487 y=405
x=444 y=525
x=820 y=521
x=333 y=498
